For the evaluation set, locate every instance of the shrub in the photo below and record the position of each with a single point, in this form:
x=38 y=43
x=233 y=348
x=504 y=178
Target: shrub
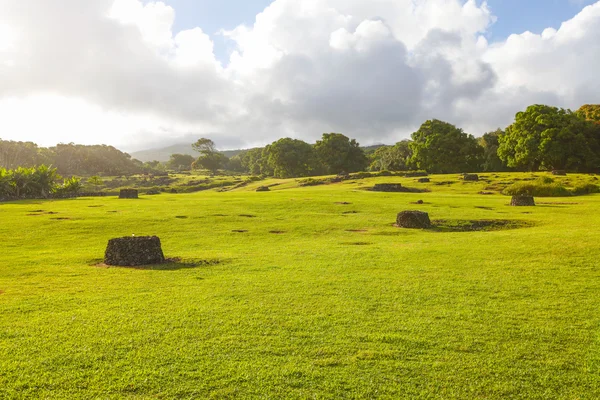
x=585 y=188
x=538 y=188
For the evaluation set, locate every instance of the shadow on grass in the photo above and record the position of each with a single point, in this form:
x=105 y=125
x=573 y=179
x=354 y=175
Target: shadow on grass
x=171 y=264
x=483 y=225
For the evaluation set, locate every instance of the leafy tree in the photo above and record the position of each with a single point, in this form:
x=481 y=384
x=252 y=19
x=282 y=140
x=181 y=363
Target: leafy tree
x=289 y=158
x=338 y=153
x=254 y=161
x=491 y=161
x=550 y=138
x=392 y=158
x=210 y=161
x=180 y=162
x=204 y=146
x=96 y=181
x=210 y=158
x=590 y=112
x=440 y=147
x=234 y=164
x=71 y=185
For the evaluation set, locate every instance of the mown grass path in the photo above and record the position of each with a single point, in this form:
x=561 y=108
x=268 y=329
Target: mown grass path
x=316 y=299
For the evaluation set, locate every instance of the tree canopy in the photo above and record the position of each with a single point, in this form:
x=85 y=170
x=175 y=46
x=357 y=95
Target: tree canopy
x=550 y=138
x=289 y=158
x=338 y=153
x=440 y=147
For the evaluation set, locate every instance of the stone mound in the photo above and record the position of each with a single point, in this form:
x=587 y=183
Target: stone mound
x=263 y=189
x=471 y=177
x=413 y=220
x=388 y=187
x=128 y=194
x=134 y=251
x=559 y=172
x=522 y=201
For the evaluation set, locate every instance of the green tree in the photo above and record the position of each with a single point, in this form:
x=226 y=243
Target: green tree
x=589 y=112
x=440 y=147
x=96 y=181
x=550 y=138
x=210 y=158
x=180 y=162
x=338 y=153
x=254 y=161
x=490 y=143
x=210 y=161
x=391 y=158
x=289 y=158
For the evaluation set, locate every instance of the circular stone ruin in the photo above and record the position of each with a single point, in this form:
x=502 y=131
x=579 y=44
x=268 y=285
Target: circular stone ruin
x=471 y=177
x=388 y=187
x=134 y=251
x=522 y=201
x=263 y=189
x=413 y=220
x=128 y=194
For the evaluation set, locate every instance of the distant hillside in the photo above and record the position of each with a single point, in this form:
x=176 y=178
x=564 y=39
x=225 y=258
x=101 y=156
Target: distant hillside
x=164 y=153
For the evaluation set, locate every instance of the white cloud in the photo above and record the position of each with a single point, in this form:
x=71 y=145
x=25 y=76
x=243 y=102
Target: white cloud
x=114 y=71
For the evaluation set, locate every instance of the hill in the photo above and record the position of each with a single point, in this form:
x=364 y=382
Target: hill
x=162 y=154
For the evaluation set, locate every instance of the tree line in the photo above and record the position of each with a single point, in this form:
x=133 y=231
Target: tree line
x=541 y=137
x=70 y=159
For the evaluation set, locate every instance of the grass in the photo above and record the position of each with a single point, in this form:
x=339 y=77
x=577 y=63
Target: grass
x=335 y=303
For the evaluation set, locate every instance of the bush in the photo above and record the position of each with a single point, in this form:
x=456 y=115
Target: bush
x=538 y=188
x=585 y=188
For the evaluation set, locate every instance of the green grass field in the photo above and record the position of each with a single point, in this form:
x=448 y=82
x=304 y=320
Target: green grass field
x=316 y=299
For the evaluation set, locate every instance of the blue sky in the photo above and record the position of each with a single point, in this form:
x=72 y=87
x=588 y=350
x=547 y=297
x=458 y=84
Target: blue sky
x=514 y=16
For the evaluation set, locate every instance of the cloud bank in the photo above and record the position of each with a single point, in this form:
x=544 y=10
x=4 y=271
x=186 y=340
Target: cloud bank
x=113 y=71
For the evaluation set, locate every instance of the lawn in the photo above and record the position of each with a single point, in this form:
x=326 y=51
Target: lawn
x=293 y=294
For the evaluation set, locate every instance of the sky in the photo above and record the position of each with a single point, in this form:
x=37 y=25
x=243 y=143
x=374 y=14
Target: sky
x=141 y=74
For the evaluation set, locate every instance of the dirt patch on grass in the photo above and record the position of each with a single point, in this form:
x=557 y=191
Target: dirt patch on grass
x=181 y=217
x=247 y=215
x=357 y=243
x=170 y=264
x=485 y=208
x=239 y=231
x=37 y=211
x=96 y=206
x=219 y=215
x=61 y=218
x=1 y=291
x=557 y=203
x=343 y=203
x=484 y=225
x=350 y=212
x=277 y=232
x=444 y=183
x=356 y=230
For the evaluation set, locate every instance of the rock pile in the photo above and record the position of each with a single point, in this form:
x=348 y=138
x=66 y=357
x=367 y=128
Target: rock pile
x=134 y=251
x=128 y=194
x=522 y=201
x=413 y=220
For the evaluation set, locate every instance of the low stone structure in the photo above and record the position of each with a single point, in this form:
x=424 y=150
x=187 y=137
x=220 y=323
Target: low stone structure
x=522 y=201
x=388 y=187
x=559 y=172
x=471 y=177
x=134 y=251
x=263 y=189
x=413 y=220
x=128 y=194
x=424 y=180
